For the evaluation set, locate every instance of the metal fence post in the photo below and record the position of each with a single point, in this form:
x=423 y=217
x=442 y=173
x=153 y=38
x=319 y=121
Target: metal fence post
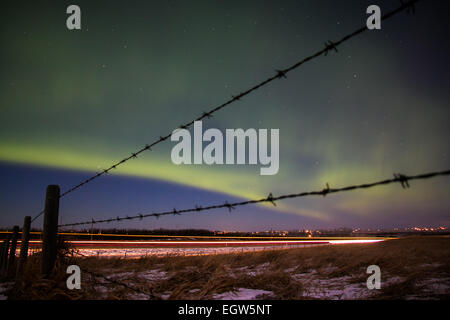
x=49 y=242
x=12 y=250
x=24 y=246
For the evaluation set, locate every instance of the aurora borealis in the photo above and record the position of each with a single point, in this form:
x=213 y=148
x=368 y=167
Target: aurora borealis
x=74 y=102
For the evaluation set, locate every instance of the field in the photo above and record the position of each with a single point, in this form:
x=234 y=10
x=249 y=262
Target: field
x=411 y=268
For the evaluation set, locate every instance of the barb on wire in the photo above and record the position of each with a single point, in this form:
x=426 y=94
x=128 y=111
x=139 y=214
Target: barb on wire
x=271 y=199
x=403 y=179
x=229 y=206
x=279 y=74
x=330 y=46
x=204 y=114
x=326 y=190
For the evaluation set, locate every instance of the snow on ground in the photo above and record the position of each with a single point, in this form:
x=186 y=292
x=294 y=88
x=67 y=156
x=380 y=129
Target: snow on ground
x=432 y=287
x=101 y=290
x=130 y=278
x=315 y=284
x=335 y=289
x=165 y=296
x=250 y=271
x=194 y=291
x=138 y=296
x=330 y=288
x=318 y=286
x=242 y=294
x=153 y=275
x=121 y=275
x=148 y=275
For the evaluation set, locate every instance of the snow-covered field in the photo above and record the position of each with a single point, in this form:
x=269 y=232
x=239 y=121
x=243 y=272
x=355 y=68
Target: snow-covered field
x=314 y=284
x=412 y=268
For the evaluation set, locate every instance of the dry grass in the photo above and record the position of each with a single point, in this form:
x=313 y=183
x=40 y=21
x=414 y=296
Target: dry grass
x=32 y=286
x=409 y=260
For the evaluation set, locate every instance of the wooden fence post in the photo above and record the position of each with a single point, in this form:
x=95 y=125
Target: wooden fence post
x=2 y=251
x=24 y=246
x=5 y=253
x=49 y=241
x=12 y=250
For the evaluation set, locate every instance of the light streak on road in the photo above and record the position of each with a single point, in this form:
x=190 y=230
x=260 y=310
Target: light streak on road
x=152 y=244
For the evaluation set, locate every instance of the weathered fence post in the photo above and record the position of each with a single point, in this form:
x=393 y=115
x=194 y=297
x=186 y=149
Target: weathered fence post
x=24 y=246
x=12 y=250
x=2 y=255
x=49 y=241
x=5 y=253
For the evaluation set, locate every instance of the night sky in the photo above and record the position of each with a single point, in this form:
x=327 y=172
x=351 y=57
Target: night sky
x=74 y=102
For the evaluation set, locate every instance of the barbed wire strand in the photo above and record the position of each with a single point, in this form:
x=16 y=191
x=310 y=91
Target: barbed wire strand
x=37 y=216
x=329 y=46
x=402 y=179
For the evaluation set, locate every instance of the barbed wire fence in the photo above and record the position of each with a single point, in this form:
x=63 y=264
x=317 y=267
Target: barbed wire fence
x=400 y=178
x=329 y=46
